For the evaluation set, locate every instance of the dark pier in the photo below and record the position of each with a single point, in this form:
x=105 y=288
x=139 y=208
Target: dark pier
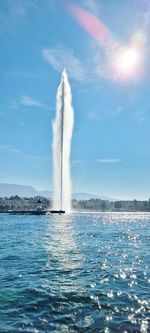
x=34 y=212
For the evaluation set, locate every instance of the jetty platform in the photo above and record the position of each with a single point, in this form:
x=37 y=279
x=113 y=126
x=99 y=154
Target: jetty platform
x=34 y=212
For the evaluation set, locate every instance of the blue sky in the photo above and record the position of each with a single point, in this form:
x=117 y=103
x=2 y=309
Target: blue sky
x=110 y=147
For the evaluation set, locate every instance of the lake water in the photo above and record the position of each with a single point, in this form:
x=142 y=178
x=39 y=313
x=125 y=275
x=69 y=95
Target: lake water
x=75 y=273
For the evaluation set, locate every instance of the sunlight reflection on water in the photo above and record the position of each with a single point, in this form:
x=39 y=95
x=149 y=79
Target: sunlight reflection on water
x=62 y=243
x=75 y=273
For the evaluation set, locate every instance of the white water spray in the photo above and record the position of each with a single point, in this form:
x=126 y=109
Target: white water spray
x=62 y=135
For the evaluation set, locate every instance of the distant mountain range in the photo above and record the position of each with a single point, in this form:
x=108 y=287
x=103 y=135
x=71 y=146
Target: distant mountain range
x=8 y=190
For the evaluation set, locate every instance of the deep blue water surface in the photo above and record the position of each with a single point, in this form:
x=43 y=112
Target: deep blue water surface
x=75 y=273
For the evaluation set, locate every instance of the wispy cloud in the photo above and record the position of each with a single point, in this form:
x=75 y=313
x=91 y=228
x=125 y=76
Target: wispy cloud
x=92 y=5
x=94 y=116
x=60 y=56
x=29 y=101
x=116 y=111
x=100 y=114
x=13 y=12
x=77 y=161
x=119 y=109
x=101 y=61
x=9 y=149
x=4 y=148
x=110 y=160
x=140 y=115
x=100 y=160
x=19 y=8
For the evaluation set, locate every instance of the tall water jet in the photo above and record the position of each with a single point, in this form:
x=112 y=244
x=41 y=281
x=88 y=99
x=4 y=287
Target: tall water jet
x=62 y=135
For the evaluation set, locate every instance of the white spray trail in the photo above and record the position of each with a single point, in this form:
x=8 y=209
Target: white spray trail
x=62 y=135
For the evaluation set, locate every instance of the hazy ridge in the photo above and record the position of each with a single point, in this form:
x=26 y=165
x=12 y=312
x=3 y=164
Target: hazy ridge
x=7 y=190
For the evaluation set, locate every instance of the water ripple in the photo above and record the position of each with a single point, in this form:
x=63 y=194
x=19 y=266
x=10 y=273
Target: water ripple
x=75 y=273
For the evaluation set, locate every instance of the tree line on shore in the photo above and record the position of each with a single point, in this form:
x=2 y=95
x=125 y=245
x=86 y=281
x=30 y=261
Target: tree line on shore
x=17 y=203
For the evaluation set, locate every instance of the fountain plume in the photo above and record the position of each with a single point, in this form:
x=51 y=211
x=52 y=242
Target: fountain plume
x=62 y=135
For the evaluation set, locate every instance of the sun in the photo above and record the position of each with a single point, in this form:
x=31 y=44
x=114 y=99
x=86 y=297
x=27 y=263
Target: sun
x=127 y=62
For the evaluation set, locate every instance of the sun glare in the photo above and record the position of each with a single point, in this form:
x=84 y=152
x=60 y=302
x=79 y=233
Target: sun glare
x=127 y=61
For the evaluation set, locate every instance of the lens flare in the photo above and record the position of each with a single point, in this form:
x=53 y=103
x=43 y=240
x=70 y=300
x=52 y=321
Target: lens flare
x=94 y=26
x=139 y=39
x=121 y=62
